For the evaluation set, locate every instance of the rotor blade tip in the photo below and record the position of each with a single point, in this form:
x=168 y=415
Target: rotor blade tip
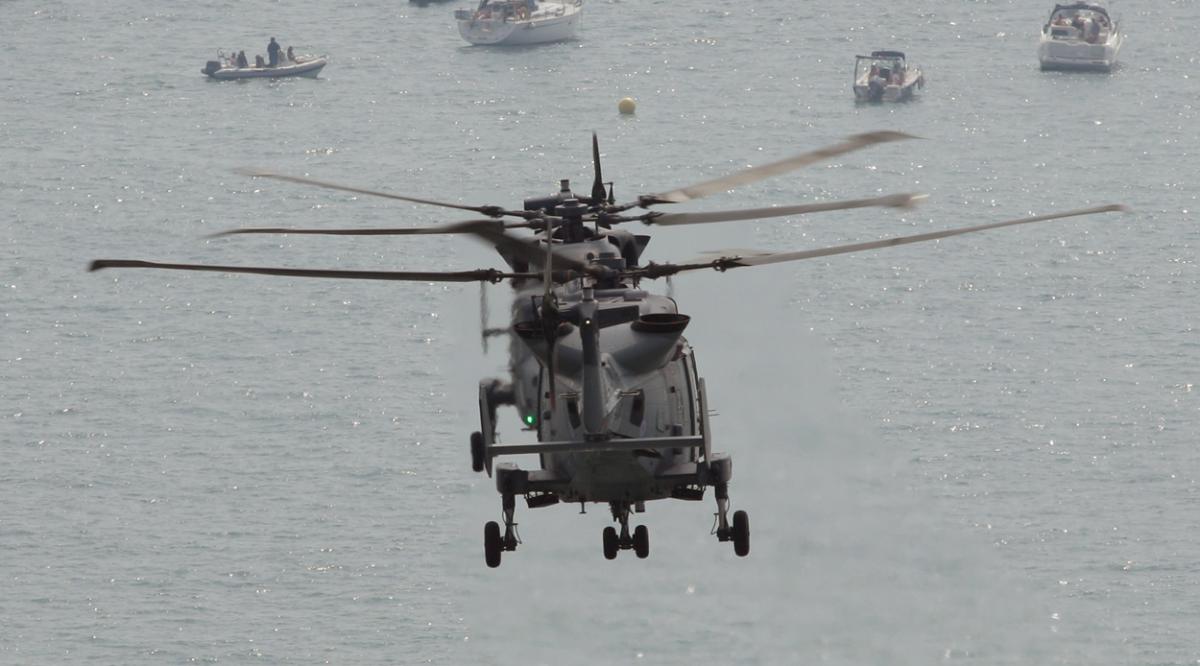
x=914 y=199
x=96 y=265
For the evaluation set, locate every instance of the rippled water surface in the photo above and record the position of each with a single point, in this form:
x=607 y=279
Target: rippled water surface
x=981 y=450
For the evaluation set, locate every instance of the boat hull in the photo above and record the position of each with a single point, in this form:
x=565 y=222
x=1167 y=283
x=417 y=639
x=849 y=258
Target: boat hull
x=894 y=92
x=1060 y=55
x=308 y=68
x=541 y=28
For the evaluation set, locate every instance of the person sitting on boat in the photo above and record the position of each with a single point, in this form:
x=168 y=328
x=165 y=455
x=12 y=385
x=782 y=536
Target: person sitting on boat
x=258 y=61
x=1093 y=33
x=241 y=59
x=273 y=51
x=290 y=55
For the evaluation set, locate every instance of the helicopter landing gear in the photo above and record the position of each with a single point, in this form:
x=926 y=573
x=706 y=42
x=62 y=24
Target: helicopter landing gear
x=639 y=542
x=739 y=531
x=477 y=451
x=611 y=543
x=493 y=542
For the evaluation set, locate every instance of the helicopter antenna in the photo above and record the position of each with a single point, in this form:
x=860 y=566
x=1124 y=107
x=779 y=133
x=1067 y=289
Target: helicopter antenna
x=598 y=193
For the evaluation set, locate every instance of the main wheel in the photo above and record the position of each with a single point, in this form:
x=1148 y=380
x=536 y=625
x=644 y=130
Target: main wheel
x=477 y=451
x=641 y=541
x=491 y=543
x=610 y=543
x=741 y=533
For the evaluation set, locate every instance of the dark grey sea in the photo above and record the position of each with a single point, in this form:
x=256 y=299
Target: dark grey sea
x=981 y=450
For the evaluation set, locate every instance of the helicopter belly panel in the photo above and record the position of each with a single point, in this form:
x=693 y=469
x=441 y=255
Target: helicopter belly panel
x=655 y=404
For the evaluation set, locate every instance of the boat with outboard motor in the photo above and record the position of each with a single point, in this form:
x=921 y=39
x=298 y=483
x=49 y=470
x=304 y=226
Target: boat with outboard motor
x=886 y=76
x=1080 y=35
x=225 y=69
x=512 y=22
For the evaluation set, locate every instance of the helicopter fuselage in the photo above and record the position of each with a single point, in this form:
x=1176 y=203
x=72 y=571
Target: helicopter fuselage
x=648 y=385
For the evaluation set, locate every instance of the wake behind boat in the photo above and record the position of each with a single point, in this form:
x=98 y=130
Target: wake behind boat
x=511 y=22
x=1080 y=35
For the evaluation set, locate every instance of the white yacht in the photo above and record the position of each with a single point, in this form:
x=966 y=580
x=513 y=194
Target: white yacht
x=1080 y=35
x=510 y=22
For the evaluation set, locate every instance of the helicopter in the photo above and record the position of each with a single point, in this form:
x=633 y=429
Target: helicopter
x=599 y=367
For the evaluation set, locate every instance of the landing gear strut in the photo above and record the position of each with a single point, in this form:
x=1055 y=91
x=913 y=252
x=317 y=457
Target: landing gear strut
x=639 y=542
x=739 y=530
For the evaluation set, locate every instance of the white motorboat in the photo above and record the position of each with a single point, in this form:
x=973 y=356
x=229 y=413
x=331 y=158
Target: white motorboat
x=1080 y=35
x=886 y=76
x=510 y=22
x=308 y=66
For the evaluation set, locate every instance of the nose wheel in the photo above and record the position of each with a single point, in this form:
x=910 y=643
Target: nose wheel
x=638 y=542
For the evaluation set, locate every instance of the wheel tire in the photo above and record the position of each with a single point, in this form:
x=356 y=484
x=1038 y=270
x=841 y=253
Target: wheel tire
x=641 y=542
x=477 y=451
x=610 y=543
x=491 y=543
x=741 y=533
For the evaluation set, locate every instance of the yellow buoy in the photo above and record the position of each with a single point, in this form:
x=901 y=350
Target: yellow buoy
x=626 y=105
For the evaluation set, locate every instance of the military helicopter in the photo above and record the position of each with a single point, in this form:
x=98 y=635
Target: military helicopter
x=600 y=369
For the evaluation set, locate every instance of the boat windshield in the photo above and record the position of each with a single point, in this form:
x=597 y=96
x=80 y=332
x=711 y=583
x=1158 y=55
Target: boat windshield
x=884 y=67
x=1075 y=22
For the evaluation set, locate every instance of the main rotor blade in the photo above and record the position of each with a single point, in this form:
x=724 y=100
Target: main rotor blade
x=400 y=231
x=490 y=211
x=725 y=263
x=755 y=174
x=480 y=275
x=892 y=200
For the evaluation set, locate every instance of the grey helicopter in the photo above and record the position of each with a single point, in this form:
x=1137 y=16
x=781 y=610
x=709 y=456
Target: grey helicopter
x=599 y=367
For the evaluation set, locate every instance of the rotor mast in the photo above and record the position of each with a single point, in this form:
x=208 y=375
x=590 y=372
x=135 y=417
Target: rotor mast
x=593 y=399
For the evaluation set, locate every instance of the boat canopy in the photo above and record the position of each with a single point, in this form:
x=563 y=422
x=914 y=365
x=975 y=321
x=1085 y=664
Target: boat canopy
x=887 y=54
x=1080 y=6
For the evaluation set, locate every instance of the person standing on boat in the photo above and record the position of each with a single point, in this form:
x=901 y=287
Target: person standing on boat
x=273 y=52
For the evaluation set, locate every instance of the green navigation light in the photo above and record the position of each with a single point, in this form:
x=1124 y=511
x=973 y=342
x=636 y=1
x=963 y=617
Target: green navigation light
x=529 y=419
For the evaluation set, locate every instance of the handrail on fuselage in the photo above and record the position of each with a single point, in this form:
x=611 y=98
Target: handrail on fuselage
x=620 y=444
